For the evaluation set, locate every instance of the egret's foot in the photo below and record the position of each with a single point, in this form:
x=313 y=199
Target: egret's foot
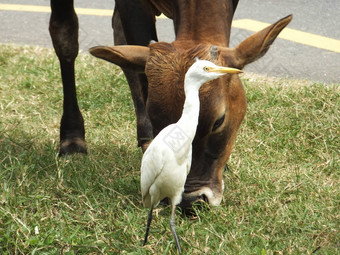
x=72 y=145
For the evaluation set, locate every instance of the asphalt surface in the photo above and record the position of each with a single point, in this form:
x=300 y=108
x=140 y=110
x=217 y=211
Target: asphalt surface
x=284 y=59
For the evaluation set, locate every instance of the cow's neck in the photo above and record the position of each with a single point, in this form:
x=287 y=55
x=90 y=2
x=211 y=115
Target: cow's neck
x=203 y=21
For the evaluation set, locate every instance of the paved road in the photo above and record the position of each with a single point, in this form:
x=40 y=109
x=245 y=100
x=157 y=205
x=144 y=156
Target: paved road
x=284 y=59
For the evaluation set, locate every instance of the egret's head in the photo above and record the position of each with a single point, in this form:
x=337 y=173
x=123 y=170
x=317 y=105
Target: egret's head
x=203 y=71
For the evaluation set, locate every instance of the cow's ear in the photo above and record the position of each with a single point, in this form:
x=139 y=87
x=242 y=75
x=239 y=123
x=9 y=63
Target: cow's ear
x=255 y=46
x=126 y=56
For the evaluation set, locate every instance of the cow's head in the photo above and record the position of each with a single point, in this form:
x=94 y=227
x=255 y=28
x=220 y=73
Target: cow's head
x=223 y=101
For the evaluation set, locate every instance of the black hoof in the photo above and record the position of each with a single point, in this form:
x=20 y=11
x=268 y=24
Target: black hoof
x=71 y=146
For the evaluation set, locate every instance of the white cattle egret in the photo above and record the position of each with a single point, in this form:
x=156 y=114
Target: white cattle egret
x=167 y=160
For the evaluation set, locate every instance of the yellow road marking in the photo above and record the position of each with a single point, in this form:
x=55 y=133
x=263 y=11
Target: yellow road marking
x=47 y=9
x=293 y=35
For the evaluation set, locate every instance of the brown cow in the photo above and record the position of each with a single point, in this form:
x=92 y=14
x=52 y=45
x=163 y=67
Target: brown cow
x=202 y=29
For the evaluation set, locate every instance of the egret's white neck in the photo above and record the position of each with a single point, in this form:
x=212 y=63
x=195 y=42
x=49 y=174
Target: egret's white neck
x=189 y=119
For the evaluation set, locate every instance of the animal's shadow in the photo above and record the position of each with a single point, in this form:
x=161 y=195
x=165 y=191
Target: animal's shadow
x=110 y=169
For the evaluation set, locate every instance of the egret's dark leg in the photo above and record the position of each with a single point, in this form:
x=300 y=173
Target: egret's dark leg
x=148 y=225
x=172 y=226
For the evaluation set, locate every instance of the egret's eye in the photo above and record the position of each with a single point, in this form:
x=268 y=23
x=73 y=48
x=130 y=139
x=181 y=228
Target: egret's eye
x=206 y=69
x=218 y=123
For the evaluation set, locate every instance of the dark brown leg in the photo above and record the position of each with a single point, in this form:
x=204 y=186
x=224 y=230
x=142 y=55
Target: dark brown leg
x=138 y=30
x=64 y=33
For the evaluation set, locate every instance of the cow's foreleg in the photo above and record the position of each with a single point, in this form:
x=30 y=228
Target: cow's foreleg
x=134 y=24
x=64 y=33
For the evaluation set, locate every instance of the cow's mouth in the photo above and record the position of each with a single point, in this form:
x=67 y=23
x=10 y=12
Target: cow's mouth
x=203 y=196
x=190 y=204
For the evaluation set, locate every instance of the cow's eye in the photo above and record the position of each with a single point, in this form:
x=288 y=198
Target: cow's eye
x=218 y=123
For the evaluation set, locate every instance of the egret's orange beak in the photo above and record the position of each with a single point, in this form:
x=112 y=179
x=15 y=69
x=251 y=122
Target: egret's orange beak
x=221 y=69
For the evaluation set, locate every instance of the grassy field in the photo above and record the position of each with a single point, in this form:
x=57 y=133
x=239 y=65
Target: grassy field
x=282 y=190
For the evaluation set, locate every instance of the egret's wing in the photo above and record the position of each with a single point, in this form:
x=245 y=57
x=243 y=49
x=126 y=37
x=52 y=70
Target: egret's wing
x=152 y=165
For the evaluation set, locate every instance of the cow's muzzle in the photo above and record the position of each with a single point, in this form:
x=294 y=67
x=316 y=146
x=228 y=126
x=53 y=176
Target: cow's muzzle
x=202 y=196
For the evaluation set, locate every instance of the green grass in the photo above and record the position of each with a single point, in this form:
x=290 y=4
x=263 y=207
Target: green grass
x=282 y=190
